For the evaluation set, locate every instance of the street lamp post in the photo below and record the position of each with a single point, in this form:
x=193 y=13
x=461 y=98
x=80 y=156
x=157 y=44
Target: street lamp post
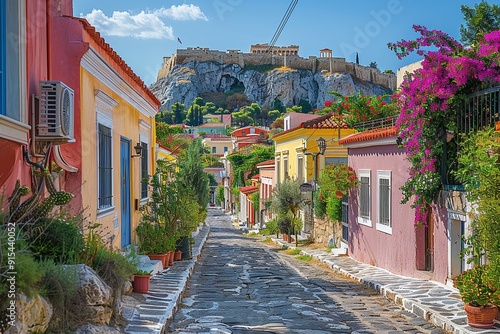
x=322 y=147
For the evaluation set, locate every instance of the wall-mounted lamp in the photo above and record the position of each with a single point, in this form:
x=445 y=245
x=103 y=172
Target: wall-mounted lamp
x=138 y=150
x=321 y=145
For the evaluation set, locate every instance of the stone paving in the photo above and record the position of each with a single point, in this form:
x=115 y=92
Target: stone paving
x=434 y=302
x=165 y=292
x=437 y=303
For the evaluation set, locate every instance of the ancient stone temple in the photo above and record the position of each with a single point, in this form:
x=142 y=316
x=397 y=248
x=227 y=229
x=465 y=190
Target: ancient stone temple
x=275 y=50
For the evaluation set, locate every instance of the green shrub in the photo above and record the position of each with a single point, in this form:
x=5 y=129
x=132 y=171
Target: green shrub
x=334 y=208
x=113 y=267
x=304 y=257
x=284 y=224
x=271 y=228
x=28 y=273
x=293 y=251
x=60 y=240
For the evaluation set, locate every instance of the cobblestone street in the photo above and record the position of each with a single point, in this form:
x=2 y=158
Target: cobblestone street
x=241 y=285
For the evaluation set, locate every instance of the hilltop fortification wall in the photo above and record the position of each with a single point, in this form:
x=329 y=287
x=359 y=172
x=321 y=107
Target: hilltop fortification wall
x=313 y=63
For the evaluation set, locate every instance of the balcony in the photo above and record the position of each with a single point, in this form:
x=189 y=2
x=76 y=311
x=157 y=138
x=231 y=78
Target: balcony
x=482 y=109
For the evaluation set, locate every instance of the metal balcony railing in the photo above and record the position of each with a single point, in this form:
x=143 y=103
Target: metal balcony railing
x=377 y=123
x=481 y=109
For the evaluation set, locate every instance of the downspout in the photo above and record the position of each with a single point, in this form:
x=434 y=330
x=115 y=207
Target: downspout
x=47 y=32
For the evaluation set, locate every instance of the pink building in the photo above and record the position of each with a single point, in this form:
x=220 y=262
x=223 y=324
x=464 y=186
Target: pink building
x=381 y=230
x=266 y=187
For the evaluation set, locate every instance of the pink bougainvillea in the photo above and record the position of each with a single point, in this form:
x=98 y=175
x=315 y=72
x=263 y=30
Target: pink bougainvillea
x=428 y=99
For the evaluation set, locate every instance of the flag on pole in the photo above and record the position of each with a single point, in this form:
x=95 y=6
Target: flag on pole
x=179 y=40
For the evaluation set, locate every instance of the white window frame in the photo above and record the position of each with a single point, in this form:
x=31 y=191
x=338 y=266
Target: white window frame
x=386 y=175
x=13 y=102
x=367 y=221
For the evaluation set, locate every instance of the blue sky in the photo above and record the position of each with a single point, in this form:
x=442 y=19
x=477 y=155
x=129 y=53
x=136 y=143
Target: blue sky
x=143 y=32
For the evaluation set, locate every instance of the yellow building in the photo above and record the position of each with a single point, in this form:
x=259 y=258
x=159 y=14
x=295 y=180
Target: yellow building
x=118 y=140
x=219 y=145
x=296 y=150
x=164 y=153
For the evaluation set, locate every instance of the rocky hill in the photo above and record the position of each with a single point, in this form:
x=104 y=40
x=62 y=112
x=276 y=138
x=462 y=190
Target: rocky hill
x=186 y=81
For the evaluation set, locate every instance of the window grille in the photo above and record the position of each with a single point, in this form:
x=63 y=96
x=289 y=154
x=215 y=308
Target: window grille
x=144 y=170
x=105 y=170
x=364 y=196
x=384 y=201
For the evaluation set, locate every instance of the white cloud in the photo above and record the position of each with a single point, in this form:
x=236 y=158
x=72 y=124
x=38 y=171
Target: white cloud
x=123 y=24
x=182 y=13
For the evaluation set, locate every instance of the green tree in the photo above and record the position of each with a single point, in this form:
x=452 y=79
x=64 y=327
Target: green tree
x=165 y=116
x=480 y=19
x=193 y=115
x=243 y=117
x=209 y=108
x=305 y=105
x=164 y=132
x=273 y=115
x=294 y=109
x=244 y=163
x=278 y=105
x=287 y=201
x=179 y=113
x=191 y=174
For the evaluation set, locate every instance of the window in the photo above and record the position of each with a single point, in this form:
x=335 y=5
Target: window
x=285 y=166
x=364 y=213
x=214 y=150
x=252 y=130
x=144 y=171
x=104 y=169
x=3 y=18
x=384 y=201
x=225 y=149
x=300 y=168
x=278 y=169
x=13 y=117
x=10 y=59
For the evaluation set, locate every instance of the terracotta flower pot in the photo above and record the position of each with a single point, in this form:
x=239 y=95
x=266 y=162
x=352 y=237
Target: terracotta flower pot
x=177 y=255
x=140 y=283
x=161 y=257
x=481 y=317
x=170 y=258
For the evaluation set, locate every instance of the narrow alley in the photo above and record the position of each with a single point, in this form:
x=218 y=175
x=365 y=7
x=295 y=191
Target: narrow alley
x=241 y=285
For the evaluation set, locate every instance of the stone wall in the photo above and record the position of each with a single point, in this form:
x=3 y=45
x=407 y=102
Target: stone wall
x=325 y=230
x=314 y=64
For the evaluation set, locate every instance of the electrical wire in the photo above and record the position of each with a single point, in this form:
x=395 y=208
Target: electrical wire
x=277 y=33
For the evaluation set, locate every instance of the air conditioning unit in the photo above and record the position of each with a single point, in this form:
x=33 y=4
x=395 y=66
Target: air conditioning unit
x=55 y=116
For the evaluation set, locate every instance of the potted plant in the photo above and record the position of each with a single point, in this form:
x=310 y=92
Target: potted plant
x=338 y=179
x=153 y=238
x=480 y=292
x=140 y=280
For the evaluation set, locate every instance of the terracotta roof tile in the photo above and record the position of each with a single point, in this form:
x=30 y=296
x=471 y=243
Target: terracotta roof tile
x=248 y=190
x=266 y=163
x=369 y=135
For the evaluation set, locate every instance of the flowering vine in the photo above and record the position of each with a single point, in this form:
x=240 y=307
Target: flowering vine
x=428 y=99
